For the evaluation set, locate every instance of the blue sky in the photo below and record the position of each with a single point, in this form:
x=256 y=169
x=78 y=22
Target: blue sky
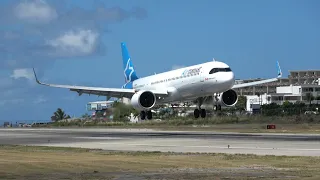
x=78 y=42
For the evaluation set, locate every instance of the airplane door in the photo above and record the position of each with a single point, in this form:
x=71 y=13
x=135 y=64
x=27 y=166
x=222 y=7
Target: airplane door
x=202 y=76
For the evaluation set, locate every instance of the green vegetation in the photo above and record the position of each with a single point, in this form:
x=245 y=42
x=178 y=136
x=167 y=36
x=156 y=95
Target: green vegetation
x=28 y=162
x=59 y=115
x=288 y=109
x=254 y=124
x=288 y=117
x=121 y=112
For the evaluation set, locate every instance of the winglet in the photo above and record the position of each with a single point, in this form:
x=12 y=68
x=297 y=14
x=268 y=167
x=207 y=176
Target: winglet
x=35 y=76
x=279 y=70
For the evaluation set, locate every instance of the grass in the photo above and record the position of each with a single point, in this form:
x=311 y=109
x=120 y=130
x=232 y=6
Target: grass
x=29 y=162
x=191 y=125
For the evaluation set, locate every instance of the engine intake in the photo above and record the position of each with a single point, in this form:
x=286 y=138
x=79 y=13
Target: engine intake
x=229 y=98
x=143 y=100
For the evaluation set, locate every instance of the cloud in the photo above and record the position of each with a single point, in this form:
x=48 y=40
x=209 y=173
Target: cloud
x=81 y=42
x=37 y=11
x=177 y=67
x=40 y=29
x=22 y=73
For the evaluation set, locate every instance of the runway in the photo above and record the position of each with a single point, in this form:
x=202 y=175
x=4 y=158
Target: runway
x=173 y=141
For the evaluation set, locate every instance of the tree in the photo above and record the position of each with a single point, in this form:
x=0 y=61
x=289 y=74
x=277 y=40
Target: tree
x=99 y=114
x=122 y=111
x=59 y=115
x=135 y=112
x=86 y=115
x=241 y=104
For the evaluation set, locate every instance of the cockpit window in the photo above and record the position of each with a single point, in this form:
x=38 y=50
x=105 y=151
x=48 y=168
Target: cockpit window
x=215 y=70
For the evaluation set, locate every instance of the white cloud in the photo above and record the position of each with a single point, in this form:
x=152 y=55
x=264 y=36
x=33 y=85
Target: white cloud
x=39 y=99
x=22 y=73
x=61 y=31
x=35 y=11
x=177 y=67
x=81 y=42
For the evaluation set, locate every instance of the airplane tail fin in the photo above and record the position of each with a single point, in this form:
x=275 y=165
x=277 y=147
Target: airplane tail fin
x=279 y=70
x=128 y=69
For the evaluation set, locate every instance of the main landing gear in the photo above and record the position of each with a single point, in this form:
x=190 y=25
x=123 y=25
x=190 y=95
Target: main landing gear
x=200 y=112
x=146 y=114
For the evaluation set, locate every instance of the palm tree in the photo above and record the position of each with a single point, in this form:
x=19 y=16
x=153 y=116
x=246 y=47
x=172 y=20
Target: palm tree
x=59 y=115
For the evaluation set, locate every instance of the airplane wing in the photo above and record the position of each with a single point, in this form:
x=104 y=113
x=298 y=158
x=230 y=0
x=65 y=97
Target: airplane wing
x=100 y=91
x=260 y=82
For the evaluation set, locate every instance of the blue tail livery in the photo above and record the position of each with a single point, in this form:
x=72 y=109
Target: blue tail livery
x=279 y=70
x=128 y=69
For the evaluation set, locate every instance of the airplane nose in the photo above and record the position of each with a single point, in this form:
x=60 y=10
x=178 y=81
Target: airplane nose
x=232 y=77
x=229 y=78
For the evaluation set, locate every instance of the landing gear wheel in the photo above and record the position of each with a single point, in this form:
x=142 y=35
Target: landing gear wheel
x=203 y=113
x=217 y=107
x=143 y=115
x=196 y=113
x=149 y=114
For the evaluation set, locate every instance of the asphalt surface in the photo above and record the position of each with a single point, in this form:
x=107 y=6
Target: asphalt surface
x=173 y=141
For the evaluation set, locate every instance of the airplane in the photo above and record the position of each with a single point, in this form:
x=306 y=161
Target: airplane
x=210 y=80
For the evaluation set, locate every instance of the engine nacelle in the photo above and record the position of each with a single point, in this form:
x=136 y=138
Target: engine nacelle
x=143 y=100
x=228 y=98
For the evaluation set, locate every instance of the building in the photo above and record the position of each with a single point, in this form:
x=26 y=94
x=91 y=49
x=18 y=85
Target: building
x=99 y=105
x=302 y=93
x=304 y=77
x=295 y=78
x=293 y=94
x=254 y=102
x=125 y=100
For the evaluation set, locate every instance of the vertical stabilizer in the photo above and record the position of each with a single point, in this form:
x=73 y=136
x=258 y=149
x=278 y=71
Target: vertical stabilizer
x=128 y=69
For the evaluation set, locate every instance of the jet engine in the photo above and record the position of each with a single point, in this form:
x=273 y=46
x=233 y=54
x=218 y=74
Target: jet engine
x=228 y=98
x=143 y=100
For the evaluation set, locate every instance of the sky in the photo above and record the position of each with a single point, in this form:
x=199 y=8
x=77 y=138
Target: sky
x=77 y=42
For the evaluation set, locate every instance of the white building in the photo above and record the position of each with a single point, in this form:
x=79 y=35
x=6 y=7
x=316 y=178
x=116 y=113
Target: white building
x=125 y=100
x=296 y=93
x=285 y=93
x=99 y=105
x=254 y=101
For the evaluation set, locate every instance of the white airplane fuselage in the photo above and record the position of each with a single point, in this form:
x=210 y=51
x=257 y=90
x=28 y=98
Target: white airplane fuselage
x=190 y=82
